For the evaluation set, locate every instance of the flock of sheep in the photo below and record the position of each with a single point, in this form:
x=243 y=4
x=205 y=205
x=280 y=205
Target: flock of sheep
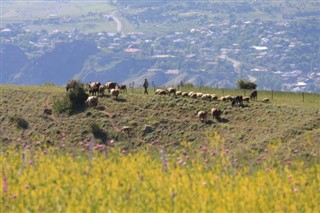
x=214 y=112
x=96 y=88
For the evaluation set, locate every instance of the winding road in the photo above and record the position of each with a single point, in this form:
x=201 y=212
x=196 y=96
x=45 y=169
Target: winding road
x=117 y=20
x=236 y=64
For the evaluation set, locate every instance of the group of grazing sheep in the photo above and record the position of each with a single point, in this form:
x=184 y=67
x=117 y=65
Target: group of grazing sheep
x=173 y=91
x=96 y=88
x=215 y=113
x=235 y=100
x=167 y=91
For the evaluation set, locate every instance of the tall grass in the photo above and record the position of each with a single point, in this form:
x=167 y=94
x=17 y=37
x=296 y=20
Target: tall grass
x=204 y=180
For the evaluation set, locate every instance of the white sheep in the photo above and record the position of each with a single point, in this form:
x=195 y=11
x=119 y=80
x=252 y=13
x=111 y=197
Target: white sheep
x=265 y=100
x=92 y=101
x=115 y=92
x=171 y=90
x=202 y=115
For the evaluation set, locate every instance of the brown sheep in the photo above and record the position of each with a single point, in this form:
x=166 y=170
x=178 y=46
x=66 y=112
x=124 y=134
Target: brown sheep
x=179 y=93
x=254 y=95
x=110 y=86
x=265 y=100
x=115 y=92
x=223 y=98
x=215 y=113
x=184 y=94
x=238 y=100
x=160 y=92
x=171 y=90
x=192 y=95
x=214 y=97
x=199 y=94
x=202 y=115
x=246 y=99
x=228 y=98
x=206 y=97
x=122 y=87
x=93 y=88
x=102 y=88
x=92 y=101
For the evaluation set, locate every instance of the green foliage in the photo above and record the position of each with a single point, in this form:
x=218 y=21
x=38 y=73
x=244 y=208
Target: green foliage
x=19 y=122
x=77 y=96
x=62 y=105
x=73 y=100
x=241 y=84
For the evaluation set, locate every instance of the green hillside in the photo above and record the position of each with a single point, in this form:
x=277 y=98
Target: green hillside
x=290 y=123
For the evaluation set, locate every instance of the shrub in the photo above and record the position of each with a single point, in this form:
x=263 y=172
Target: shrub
x=62 y=105
x=73 y=100
x=241 y=84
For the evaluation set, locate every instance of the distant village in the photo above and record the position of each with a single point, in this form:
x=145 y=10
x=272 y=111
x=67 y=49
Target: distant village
x=276 y=51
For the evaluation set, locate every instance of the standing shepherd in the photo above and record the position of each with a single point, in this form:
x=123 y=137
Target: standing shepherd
x=145 y=85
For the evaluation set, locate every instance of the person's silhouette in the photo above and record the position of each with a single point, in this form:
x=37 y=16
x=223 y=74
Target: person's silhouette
x=145 y=85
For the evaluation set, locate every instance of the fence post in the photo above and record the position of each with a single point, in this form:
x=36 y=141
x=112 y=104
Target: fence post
x=154 y=86
x=271 y=94
x=302 y=96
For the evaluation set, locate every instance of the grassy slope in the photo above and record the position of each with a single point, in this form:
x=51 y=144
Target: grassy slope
x=245 y=131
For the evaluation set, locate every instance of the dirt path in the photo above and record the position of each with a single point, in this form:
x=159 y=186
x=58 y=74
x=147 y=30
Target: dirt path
x=48 y=106
x=234 y=62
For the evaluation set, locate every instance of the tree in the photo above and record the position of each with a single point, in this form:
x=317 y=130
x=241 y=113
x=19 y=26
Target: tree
x=241 y=84
x=73 y=100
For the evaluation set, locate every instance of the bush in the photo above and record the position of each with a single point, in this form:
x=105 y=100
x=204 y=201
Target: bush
x=73 y=100
x=241 y=84
x=62 y=105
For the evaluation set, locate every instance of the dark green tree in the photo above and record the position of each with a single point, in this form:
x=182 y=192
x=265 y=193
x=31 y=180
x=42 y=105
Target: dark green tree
x=241 y=84
x=72 y=101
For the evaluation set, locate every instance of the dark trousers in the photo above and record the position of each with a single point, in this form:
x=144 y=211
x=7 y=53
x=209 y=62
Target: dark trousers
x=145 y=91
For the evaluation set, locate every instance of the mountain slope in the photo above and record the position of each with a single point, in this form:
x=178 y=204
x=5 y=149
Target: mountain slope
x=12 y=60
x=57 y=66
